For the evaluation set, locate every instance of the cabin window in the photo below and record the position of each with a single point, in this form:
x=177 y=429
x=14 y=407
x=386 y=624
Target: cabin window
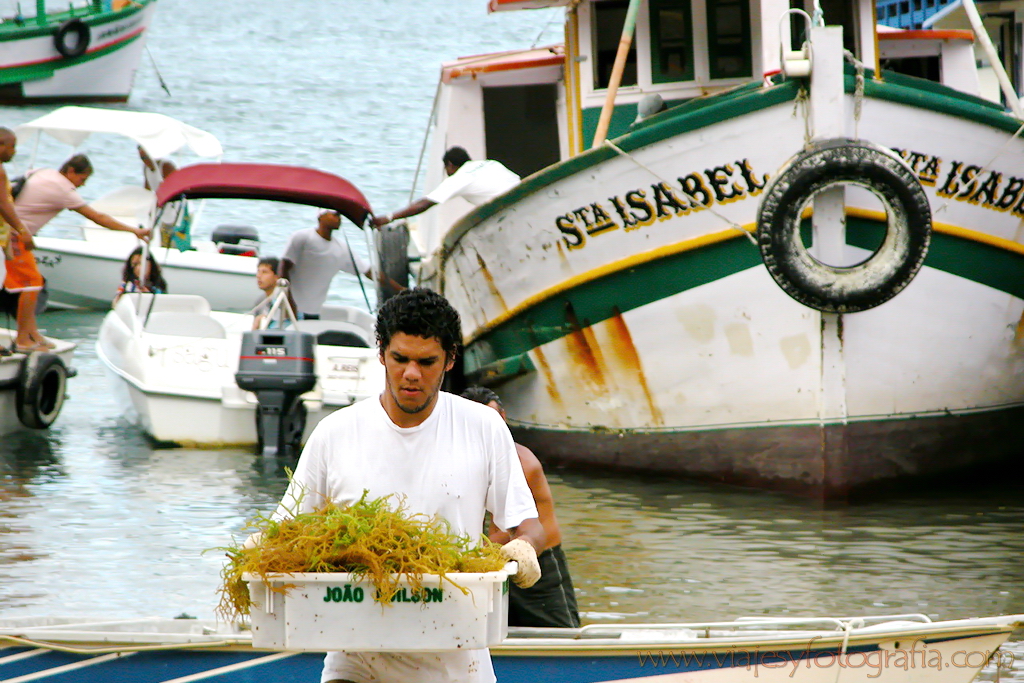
x=609 y=17
x=671 y=41
x=729 y=38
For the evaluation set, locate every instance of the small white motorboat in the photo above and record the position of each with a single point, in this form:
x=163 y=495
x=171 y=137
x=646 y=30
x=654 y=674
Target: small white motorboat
x=173 y=362
x=904 y=648
x=33 y=385
x=83 y=270
x=174 y=359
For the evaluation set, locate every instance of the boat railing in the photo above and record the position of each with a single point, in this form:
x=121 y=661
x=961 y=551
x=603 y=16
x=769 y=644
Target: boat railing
x=740 y=626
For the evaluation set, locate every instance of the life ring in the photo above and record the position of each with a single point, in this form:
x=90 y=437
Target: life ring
x=42 y=381
x=826 y=165
x=392 y=243
x=78 y=32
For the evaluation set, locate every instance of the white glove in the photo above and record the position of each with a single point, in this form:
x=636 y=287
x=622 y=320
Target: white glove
x=522 y=552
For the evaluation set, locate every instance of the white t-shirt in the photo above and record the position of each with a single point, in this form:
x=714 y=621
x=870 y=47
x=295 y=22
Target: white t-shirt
x=46 y=193
x=316 y=261
x=476 y=182
x=460 y=461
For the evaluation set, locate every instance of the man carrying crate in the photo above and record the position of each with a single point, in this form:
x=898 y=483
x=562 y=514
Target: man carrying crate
x=444 y=454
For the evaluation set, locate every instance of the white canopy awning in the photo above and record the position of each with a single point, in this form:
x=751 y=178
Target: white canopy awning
x=158 y=134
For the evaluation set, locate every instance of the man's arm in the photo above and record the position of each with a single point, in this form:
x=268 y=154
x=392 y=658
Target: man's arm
x=539 y=487
x=111 y=223
x=148 y=162
x=417 y=207
x=10 y=216
x=285 y=271
x=531 y=531
x=384 y=279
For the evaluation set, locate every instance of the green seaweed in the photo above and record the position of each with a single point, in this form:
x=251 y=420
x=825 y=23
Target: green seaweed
x=376 y=539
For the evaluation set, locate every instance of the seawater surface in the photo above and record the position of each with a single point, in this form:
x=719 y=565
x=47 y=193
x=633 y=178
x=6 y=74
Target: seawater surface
x=95 y=520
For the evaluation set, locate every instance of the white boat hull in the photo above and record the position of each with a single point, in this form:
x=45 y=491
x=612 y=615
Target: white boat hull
x=87 y=273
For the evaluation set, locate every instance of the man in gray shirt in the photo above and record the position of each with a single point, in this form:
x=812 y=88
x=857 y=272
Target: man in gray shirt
x=310 y=261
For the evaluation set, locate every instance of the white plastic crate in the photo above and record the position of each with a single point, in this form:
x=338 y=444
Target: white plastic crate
x=321 y=612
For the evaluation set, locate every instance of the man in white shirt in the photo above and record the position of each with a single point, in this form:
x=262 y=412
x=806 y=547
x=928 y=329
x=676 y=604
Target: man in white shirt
x=310 y=261
x=475 y=181
x=444 y=454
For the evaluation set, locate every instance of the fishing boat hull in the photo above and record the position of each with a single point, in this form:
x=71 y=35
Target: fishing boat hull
x=173 y=369
x=33 y=70
x=899 y=651
x=616 y=304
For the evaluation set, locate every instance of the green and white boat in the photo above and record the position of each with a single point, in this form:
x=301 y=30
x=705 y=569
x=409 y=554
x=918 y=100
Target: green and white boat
x=802 y=272
x=84 y=51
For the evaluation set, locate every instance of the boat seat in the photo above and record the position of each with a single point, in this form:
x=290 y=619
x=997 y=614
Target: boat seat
x=337 y=333
x=185 y=325
x=165 y=303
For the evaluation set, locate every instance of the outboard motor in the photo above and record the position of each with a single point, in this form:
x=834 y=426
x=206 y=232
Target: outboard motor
x=240 y=240
x=278 y=366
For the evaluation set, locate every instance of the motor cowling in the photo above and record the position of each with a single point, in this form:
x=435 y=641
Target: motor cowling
x=240 y=240
x=278 y=366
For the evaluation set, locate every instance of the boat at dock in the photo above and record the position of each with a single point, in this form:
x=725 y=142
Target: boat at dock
x=33 y=385
x=79 y=52
x=882 y=649
x=741 y=250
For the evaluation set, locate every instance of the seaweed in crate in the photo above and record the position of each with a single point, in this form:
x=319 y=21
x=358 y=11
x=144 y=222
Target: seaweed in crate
x=369 y=539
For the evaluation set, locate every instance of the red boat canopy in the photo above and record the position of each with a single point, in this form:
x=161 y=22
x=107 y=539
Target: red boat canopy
x=293 y=184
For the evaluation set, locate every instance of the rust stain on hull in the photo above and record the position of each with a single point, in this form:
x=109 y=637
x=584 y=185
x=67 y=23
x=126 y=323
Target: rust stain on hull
x=628 y=358
x=584 y=354
x=491 y=286
x=549 y=382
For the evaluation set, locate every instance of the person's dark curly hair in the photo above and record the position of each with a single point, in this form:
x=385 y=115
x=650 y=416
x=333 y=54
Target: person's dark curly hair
x=421 y=312
x=481 y=395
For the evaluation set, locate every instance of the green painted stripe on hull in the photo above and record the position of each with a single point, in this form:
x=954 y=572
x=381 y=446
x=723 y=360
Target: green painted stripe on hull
x=601 y=299
x=915 y=92
x=598 y=300
x=47 y=69
x=975 y=261
x=502 y=370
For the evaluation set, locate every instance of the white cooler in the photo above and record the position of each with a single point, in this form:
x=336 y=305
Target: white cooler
x=325 y=611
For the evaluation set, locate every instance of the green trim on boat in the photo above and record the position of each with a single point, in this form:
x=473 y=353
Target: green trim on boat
x=47 y=69
x=616 y=293
x=499 y=371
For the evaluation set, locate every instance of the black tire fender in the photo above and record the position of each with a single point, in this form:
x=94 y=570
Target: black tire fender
x=42 y=383
x=392 y=242
x=72 y=38
x=825 y=165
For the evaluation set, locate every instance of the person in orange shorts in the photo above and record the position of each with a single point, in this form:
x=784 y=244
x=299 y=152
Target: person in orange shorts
x=16 y=242
x=24 y=278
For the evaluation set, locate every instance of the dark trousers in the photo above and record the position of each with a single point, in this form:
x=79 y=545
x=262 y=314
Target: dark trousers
x=549 y=602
